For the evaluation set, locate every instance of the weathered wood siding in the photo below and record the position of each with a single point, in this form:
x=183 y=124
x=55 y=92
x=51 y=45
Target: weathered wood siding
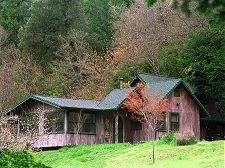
x=104 y=127
x=189 y=118
x=56 y=140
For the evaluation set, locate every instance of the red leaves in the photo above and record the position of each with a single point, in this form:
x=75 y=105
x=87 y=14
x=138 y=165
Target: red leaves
x=145 y=108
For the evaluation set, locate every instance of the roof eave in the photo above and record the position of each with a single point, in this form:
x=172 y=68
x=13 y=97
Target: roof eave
x=26 y=99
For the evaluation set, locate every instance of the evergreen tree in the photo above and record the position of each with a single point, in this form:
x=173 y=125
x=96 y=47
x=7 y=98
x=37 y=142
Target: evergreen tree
x=99 y=24
x=49 y=19
x=202 y=61
x=13 y=15
x=212 y=8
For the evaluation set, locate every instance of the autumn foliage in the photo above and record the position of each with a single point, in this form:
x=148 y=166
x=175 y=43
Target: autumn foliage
x=146 y=109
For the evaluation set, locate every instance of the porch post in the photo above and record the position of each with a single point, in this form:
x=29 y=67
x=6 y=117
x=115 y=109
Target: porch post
x=116 y=128
x=65 y=121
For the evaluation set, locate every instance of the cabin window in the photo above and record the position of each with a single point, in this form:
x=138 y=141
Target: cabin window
x=83 y=123
x=174 y=121
x=89 y=124
x=73 y=122
x=219 y=131
x=162 y=122
x=54 y=122
x=137 y=126
x=177 y=92
x=28 y=122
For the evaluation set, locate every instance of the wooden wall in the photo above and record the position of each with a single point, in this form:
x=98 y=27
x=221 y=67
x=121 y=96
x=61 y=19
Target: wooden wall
x=55 y=140
x=104 y=127
x=189 y=115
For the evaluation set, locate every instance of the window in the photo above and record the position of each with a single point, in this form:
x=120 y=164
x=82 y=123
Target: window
x=28 y=122
x=174 y=121
x=219 y=131
x=162 y=122
x=177 y=92
x=81 y=123
x=73 y=124
x=137 y=125
x=54 y=122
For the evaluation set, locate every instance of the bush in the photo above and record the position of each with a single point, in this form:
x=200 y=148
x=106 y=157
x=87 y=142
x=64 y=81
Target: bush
x=186 y=139
x=22 y=159
x=169 y=138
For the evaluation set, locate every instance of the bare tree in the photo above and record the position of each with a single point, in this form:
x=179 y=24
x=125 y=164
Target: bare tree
x=24 y=130
x=142 y=30
x=78 y=120
x=84 y=68
x=19 y=75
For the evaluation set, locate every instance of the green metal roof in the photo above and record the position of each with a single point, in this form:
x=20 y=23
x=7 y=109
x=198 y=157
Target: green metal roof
x=165 y=86
x=114 y=99
x=158 y=84
x=111 y=102
x=59 y=102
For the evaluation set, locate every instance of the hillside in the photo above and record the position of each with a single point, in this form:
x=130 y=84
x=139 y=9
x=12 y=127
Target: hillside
x=202 y=155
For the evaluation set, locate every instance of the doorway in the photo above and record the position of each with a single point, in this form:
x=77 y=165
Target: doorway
x=120 y=130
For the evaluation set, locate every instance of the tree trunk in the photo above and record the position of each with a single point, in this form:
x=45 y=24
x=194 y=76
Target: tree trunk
x=153 y=147
x=153 y=151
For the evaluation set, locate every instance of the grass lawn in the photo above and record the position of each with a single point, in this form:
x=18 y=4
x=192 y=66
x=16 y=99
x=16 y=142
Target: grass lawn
x=201 y=155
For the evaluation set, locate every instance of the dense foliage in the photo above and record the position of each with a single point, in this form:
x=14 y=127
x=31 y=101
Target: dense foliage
x=80 y=48
x=99 y=24
x=202 y=60
x=13 y=15
x=212 y=8
x=10 y=159
x=128 y=70
x=49 y=19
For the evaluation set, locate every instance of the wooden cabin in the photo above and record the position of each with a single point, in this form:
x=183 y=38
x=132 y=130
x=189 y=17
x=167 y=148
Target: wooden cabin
x=62 y=121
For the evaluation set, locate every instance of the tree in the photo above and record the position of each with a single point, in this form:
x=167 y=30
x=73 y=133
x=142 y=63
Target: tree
x=202 y=62
x=207 y=7
x=25 y=130
x=49 y=19
x=20 y=75
x=99 y=24
x=79 y=119
x=127 y=70
x=83 y=68
x=13 y=15
x=169 y=58
x=141 y=32
x=147 y=109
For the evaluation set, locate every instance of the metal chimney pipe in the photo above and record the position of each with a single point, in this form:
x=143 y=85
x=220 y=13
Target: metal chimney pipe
x=121 y=83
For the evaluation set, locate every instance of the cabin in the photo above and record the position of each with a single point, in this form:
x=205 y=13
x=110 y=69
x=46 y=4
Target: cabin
x=65 y=122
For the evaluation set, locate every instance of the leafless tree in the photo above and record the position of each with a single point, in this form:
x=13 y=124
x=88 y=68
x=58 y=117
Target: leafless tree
x=24 y=130
x=142 y=30
x=19 y=75
x=84 y=68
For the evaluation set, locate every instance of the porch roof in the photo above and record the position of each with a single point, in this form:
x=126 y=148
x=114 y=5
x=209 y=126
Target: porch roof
x=111 y=102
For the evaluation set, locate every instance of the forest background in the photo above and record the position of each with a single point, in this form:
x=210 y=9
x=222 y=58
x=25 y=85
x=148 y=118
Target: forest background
x=80 y=48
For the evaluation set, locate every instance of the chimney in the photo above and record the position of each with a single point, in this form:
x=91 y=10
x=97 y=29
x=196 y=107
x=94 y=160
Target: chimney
x=121 y=83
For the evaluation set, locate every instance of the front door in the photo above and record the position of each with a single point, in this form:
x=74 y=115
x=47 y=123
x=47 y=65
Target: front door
x=120 y=130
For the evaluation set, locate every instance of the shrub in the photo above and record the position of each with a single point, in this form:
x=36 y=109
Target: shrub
x=169 y=138
x=21 y=159
x=186 y=139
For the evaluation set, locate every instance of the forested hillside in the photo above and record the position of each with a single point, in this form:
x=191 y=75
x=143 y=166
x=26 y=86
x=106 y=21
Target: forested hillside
x=79 y=48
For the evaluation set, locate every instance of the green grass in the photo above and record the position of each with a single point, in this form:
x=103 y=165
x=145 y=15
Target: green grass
x=201 y=155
